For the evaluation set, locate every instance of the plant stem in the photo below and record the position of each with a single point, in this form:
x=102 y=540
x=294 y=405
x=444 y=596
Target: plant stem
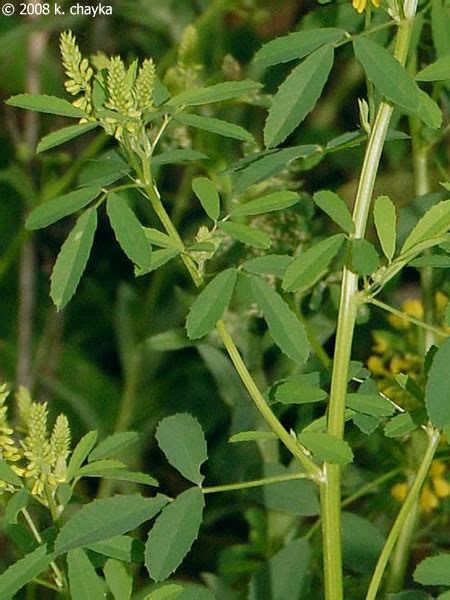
x=232 y=487
x=404 y=513
x=59 y=579
x=289 y=441
x=330 y=490
x=402 y=551
x=402 y=315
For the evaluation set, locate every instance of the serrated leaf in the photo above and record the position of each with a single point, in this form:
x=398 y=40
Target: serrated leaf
x=429 y=112
x=437 y=261
x=436 y=71
x=99 y=466
x=159 y=259
x=215 y=126
x=24 y=570
x=51 y=211
x=171 y=591
x=306 y=268
x=16 y=503
x=295 y=45
x=285 y=328
x=117 y=442
x=210 y=305
x=284 y=575
x=297 y=96
x=437 y=390
x=364 y=257
x=206 y=192
x=440 y=27
x=6 y=474
x=271 y=202
x=400 y=425
x=84 y=583
x=434 y=570
x=173 y=534
x=269 y=163
x=366 y=423
x=370 y=404
x=327 y=447
x=385 y=218
x=335 y=208
x=80 y=453
x=103 y=171
x=171 y=157
x=252 y=436
x=158 y=238
x=120 y=582
x=298 y=392
x=72 y=259
x=214 y=93
x=105 y=518
x=120 y=547
x=121 y=474
x=271 y=264
x=128 y=231
x=56 y=138
x=182 y=440
x=46 y=104
x=246 y=234
x=434 y=223
x=388 y=76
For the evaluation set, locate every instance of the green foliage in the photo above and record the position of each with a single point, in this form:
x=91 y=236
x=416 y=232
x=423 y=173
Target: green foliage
x=297 y=96
x=72 y=259
x=181 y=439
x=83 y=580
x=210 y=305
x=285 y=328
x=173 y=534
x=105 y=518
x=437 y=391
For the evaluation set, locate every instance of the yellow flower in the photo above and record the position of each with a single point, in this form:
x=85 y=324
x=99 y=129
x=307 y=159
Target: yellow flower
x=360 y=5
x=413 y=308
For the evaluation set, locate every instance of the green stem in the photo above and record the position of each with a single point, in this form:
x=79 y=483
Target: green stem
x=402 y=315
x=59 y=579
x=232 y=487
x=402 y=551
x=330 y=490
x=288 y=440
x=403 y=514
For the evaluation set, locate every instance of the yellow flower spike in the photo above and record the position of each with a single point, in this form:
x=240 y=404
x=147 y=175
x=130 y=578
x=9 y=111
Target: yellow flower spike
x=398 y=322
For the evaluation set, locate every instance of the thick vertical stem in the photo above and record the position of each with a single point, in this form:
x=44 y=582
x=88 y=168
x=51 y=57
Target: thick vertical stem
x=331 y=487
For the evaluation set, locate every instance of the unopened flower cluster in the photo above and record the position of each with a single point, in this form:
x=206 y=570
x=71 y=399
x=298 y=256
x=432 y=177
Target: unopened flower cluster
x=115 y=96
x=37 y=457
